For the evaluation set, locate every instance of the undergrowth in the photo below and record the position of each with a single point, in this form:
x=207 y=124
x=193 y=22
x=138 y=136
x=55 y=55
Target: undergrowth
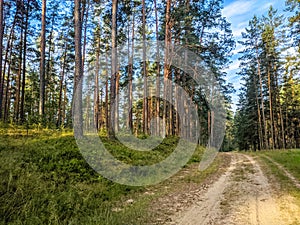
x=45 y=180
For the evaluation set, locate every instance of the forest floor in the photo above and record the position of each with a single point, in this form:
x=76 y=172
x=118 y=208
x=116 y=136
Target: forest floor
x=247 y=192
x=44 y=179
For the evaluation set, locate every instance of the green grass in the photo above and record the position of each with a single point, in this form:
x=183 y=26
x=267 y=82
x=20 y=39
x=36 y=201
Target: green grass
x=45 y=180
x=290 y=160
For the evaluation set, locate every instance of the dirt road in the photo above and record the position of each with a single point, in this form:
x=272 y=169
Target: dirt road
x=242 y=195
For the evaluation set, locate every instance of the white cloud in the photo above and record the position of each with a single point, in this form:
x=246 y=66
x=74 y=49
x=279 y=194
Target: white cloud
x=238 y=8
x=238 y=49
x=243 y=24
x=233 y=66
x=267 y=5
x=238 y=32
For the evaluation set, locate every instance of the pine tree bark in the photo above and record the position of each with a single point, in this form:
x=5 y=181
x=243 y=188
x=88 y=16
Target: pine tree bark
x=6 y=59
x=262 y=98
x=112 y=123
x=107 y=116
x=168 y=40
x=130 y=73
x=260 y=133
x=145 y=72
x=18 y=82
x=270 y=107
x=96 y=90
x=22 y=112
x=1 y=46
x=77 y=96
x=158 y=133
x=7 y=97
x=42 y=62
x=61 y=86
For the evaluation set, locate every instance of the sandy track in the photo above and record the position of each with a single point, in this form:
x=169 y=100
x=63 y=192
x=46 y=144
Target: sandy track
x=242 y=195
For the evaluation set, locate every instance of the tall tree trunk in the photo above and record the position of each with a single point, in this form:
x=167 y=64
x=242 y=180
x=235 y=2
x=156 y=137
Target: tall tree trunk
x=18 y=82
x=63 y=117
x=85 y=16
x=7 y=98
x=157 y=72
x=22 y=112
x=77 y=92
x=112 y=122
x=117 y=100
x=1 y=45
x=262 y=98
x=8 y=49
x=282 y=126
x=101 y=122
x=168 y=40
x=96 y=90
x=48 y=77
x=61 y=86
x=260 y=134
x=42 y=62
x=270 y=107
x=107 y=125
x=209 y=126
x=130 y=72
x=145 y=98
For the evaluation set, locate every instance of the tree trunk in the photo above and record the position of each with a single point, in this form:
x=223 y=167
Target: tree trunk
x=130 y=72
x=262 y=98
x=112 y=122
x=259 y=118
x=77 y=92
x=107 y=125
x=7 y=98
x=96 y=90
x=18 y=82
x=117 y=101
x=157 y=72
x=22 y=112
x=8 y=49
x=42 y=62
x=63 y=118
x=85 y=16
x=145 y=99
x=168 y=40
x=61 y=86
x=1 y=45
x=270 y=107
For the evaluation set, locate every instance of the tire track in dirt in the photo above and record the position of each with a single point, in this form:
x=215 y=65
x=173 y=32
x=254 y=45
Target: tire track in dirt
x=207 y=204
x=242 y=195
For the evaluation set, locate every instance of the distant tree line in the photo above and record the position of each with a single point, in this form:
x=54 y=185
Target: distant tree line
x=268 y=116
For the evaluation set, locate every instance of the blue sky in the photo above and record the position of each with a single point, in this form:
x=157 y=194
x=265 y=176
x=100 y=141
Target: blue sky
x=238 y=13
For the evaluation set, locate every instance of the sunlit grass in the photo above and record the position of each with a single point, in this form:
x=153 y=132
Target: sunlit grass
x=45 y=180
x=290 y=160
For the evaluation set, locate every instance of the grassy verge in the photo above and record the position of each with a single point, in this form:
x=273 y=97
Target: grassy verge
x=45 y=180
x=290 y=160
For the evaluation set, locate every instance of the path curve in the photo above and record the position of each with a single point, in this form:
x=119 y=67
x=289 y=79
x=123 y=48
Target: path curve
x=242 y=195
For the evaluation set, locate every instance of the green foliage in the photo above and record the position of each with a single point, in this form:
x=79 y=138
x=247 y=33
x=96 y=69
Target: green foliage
x=268 y=109
x=45 y=180
x=290 y=159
